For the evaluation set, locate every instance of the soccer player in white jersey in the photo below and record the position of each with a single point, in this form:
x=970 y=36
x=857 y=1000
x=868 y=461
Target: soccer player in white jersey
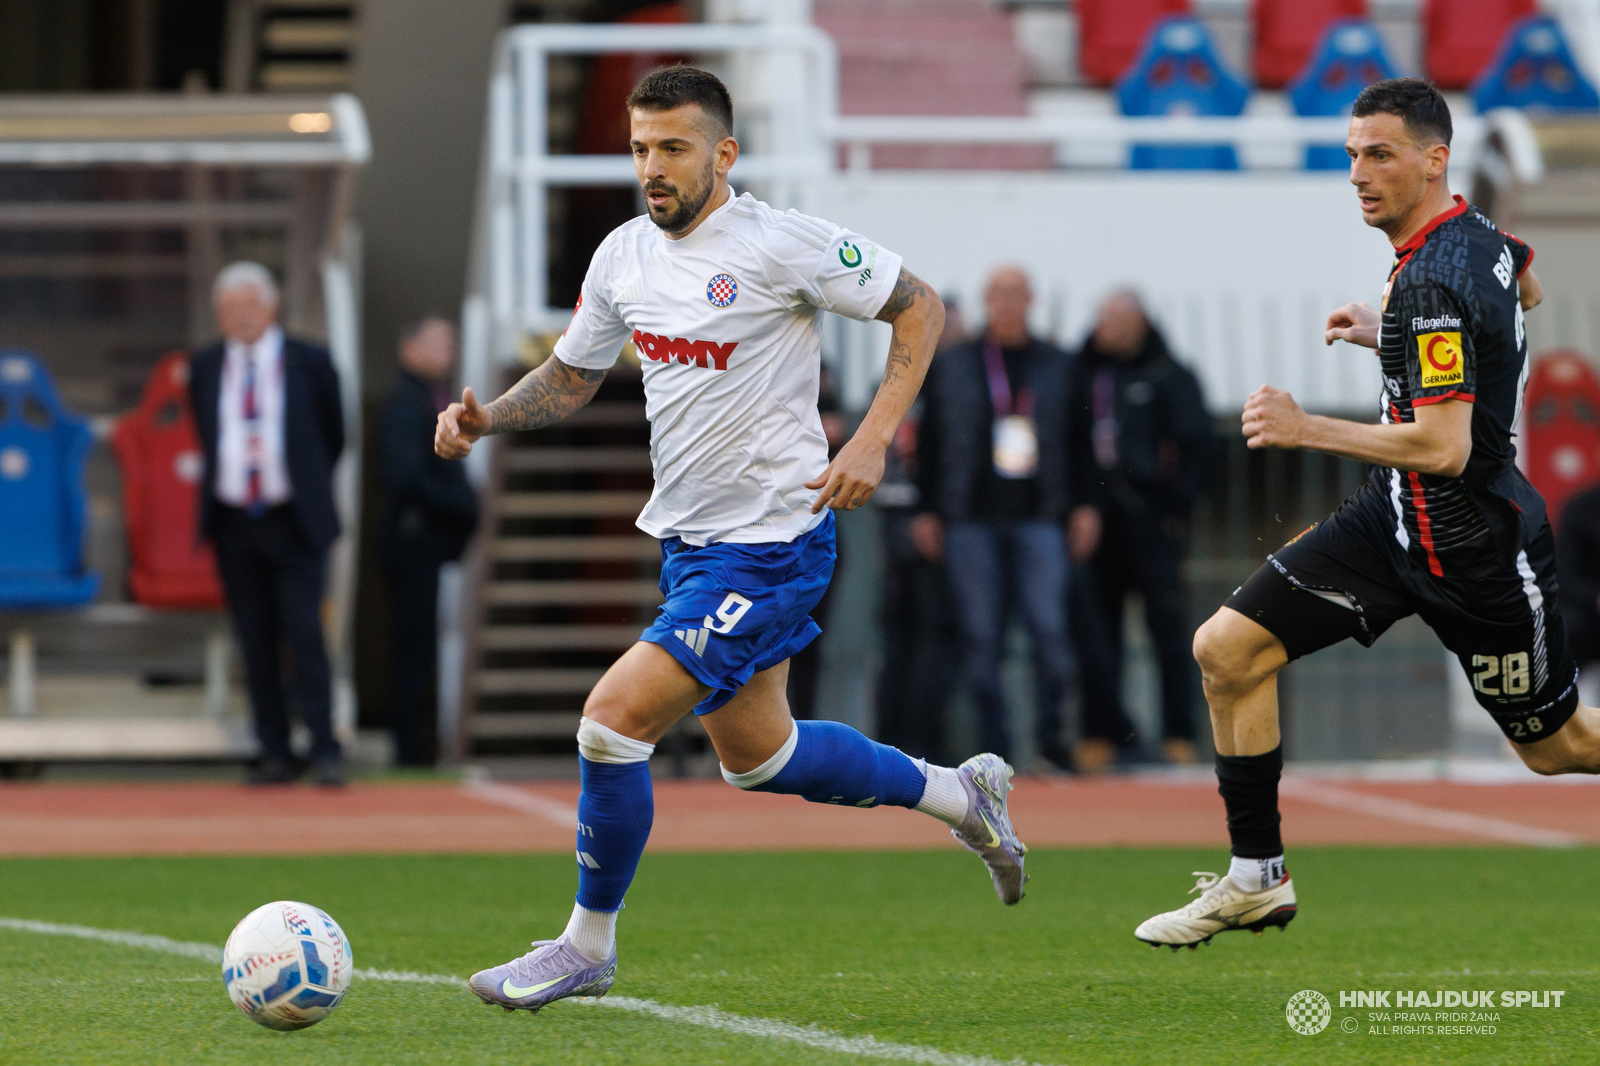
x=721 y=295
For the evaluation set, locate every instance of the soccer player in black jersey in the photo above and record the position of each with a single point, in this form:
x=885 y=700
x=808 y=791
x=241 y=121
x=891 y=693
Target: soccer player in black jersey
x=1446 y=527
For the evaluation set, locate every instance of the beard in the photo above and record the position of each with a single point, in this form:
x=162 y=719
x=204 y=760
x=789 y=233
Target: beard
x=690 y=202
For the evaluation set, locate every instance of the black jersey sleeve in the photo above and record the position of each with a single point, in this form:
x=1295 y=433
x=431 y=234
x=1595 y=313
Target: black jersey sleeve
x=1436 y=334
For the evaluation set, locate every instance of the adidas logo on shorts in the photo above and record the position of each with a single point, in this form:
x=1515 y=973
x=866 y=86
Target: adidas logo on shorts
x=695 y=638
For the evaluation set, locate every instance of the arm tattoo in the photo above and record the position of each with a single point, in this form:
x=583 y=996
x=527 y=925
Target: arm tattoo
x=899 y=360
x=907 y=288
x=546 y=395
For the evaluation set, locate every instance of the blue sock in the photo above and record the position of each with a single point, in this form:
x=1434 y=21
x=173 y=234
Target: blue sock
x=614 y=816
x=832 y=763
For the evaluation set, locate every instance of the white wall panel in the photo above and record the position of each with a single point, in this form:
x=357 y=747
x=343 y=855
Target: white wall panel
x=1238 y=269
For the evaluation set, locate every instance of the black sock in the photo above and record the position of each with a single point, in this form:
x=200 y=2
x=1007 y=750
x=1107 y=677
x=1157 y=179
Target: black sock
x=1249 y=787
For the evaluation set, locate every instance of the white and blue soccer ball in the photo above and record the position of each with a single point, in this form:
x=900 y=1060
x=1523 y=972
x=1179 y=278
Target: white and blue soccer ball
x=287 y=965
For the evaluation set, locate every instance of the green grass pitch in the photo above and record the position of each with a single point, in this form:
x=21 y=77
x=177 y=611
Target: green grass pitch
x=910 y=948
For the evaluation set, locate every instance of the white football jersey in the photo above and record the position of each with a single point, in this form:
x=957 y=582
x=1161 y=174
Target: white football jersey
x=725 y=321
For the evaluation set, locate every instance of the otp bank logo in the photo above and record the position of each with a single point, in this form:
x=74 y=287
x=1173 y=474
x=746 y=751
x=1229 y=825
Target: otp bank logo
x=685 y=351
x=1440 y=356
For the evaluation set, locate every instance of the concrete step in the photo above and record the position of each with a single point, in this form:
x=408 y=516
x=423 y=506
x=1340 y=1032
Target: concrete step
x=555 y=638
x=609 y=413
x=308 y=35
x=571 y=504
x=535 y=593
x=564 y=460
x=45 y=739
x=541 y=680
x=537 y=549
x=500 y=725
x=282 y=75
x=269 y=8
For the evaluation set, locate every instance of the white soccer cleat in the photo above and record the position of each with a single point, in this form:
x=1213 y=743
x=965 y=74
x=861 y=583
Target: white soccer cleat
x=986 y=830
x=1222 y=906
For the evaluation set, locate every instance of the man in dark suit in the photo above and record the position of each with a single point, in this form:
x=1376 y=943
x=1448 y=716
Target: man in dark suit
x=430 y=516
x=271 y=427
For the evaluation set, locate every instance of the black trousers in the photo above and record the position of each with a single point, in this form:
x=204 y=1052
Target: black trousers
x=1144 y=555
x=274 y=583
x=413 y=573
x=922 y=656
x=1583 y=631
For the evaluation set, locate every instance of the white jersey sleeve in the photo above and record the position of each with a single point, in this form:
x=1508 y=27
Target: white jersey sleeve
x=833 y=268
x=594 y=338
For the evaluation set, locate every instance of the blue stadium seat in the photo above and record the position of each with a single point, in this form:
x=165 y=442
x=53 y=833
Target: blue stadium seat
x=1178 y=73
x=43 y=447
x=1348 y=59
x=1534 y=69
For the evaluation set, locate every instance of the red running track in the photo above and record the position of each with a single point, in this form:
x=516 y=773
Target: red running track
x=168 y=819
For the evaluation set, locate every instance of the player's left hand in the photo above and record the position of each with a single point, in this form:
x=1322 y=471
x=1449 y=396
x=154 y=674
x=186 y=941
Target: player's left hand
x=1272 y=419
x=851 y=478
x=1356 y=323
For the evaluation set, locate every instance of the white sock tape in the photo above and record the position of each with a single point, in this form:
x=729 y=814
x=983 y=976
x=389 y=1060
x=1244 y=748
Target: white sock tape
x=767 y=770
x=598 y=743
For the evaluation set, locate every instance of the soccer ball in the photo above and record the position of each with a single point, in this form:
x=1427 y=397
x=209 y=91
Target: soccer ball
x=287 y=965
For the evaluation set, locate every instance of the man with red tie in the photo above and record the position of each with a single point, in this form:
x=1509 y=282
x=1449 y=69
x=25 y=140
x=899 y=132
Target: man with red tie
x=271 y=426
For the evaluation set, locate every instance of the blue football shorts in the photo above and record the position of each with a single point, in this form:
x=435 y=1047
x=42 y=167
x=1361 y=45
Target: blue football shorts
x=734 y=610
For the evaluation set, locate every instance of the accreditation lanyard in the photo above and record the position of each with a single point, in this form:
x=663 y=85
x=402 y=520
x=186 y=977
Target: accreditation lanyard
x=1000 y=386
x=1015 y=445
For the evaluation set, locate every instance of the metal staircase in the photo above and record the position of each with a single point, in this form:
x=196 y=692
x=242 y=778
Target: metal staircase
x=560 y=581
x=290 y=45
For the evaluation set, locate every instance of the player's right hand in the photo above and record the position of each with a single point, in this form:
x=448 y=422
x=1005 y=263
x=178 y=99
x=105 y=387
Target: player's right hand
x=1272 y=419
x=1083 y=532
x=1356 y=323
x=459 y=426
x=927 y=536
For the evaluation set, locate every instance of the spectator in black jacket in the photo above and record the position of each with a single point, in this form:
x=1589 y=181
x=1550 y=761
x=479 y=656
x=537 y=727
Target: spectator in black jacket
x=1578 y=570
x=431 y=514
x=1142 y=450
x=921 y=664
x=992 y=476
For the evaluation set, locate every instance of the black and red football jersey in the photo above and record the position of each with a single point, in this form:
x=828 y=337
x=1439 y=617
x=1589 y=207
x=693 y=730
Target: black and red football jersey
x=1453 y=330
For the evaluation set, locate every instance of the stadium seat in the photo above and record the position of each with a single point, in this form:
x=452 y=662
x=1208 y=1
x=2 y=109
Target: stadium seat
x=603 y=129
x=1461 y=37
x=1287 y=31
x=43 y=447
x=1111 y=34
x=1179 y=73
x=1534 y=69
x=158 y=453
x=1349 y=58
x=931 y=57
x=1560 y=442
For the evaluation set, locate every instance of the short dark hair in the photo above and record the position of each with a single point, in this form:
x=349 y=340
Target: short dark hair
x=413 y=326
x=1418 y=103
x=675 y=86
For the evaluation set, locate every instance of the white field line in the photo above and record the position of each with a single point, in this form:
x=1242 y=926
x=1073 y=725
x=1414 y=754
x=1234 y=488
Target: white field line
x=115 y=936
x=703 y=1017
x=526 y=802
x=1400 y=810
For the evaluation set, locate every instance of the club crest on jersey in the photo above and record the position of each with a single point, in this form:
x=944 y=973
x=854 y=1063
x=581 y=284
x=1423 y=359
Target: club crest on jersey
x=683 y=350
x=722 y=290
x=1440 y=356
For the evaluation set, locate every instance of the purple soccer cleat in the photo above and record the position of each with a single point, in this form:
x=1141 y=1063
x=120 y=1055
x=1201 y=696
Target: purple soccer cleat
x=986 y=829
x=553 y=970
